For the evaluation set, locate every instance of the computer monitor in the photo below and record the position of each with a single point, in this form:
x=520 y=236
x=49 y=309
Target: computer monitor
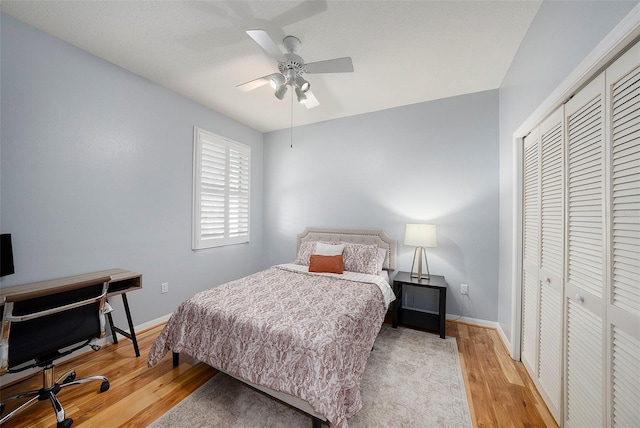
x=6 y=255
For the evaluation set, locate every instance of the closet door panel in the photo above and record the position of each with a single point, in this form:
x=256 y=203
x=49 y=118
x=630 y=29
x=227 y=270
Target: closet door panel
x=623 y=296
x=625 y=188
x=585 y=367
x=531 y=252
x=551 y=193
x=530 y=322
x=550 y=347
x=551 y=260
x=625 y=377
x=585 y=371
x=585 y=189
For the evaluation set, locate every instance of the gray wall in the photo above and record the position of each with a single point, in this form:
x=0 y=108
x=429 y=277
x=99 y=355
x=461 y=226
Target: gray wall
x=433 y=162
x=97 y=173
x=560 y=37
x=96 y=170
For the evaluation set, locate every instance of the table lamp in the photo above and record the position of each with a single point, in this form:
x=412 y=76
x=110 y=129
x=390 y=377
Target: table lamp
x=420 y=236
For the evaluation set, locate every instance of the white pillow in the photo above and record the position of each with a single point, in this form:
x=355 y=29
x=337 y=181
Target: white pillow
x=382 y=253
x=323 y=249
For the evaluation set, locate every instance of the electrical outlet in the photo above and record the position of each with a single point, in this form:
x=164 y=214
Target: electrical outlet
x=164 y=288
x=464 y=289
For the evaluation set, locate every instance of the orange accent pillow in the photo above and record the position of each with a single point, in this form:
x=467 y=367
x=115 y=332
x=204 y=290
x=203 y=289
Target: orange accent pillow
x=326 y=264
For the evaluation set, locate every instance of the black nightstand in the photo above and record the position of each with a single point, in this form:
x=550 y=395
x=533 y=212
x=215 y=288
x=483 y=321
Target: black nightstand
x=417 y=318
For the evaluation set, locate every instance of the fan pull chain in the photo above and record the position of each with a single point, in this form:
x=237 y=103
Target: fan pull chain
x=291 y=128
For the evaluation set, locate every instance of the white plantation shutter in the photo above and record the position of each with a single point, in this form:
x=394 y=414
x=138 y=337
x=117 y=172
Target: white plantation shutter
x=212 y=182
x=221 y=191
x=238 y=213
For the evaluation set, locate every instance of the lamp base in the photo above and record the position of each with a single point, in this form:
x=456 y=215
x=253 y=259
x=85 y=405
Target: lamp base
x=420 y=251
x=425 y=276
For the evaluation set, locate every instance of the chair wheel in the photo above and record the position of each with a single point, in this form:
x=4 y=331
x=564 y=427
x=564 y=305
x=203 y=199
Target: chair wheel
x=65 y=424
x=69 y=378
x=104 y=386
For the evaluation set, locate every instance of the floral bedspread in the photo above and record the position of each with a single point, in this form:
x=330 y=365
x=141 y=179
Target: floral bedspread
x=304 y=334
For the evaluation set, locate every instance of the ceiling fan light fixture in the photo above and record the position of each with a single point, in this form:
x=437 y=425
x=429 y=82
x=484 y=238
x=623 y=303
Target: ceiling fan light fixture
x=302 y=84
x=290 y=68
x=280 y=92
x=302 y=97
x=277 y=81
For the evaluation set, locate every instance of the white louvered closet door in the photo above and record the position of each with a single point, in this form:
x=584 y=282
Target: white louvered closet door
x=623 y=195
x=531 y=252
x=586 y=258
x=550 y=275
x=587 y=286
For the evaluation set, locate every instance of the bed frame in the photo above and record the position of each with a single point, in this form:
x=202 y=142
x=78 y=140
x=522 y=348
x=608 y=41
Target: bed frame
x=355 y=236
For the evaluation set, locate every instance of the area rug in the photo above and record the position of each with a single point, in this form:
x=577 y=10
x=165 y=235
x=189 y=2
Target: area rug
x=412 y=379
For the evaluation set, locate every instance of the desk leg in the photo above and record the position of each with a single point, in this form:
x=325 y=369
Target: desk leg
x=133 y=332
x=113 y=328
x=443 y=311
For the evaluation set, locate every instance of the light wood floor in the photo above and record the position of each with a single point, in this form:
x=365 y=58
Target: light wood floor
x=499 y=390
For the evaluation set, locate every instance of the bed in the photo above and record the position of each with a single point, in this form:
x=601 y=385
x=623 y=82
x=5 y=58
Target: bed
x=302 y=337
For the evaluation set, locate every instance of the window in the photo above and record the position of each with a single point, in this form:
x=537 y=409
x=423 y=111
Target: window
x=221 y=170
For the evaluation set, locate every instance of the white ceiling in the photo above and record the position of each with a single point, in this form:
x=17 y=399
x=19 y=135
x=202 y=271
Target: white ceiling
x=403 y=52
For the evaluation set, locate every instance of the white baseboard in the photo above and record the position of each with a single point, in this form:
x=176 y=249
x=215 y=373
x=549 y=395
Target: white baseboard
x=506 y=341
x=153 y=323
x=467 y=320
x=484 y=323
x=149 y=324
x=474 y=321
x=452 y=317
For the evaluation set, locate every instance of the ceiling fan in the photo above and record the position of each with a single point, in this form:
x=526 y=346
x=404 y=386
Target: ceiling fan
x=291 y=67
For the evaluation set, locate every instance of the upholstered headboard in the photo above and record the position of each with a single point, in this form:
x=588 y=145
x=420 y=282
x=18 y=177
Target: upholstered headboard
x=356 y=236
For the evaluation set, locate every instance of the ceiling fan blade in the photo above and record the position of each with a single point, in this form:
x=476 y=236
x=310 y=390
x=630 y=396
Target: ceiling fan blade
x=338 y=65
x=311 y=100
x=266 y=42
x=300 y=12
x=255 y=83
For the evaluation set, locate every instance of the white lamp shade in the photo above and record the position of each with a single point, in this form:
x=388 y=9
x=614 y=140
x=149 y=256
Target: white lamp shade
x=421 y=235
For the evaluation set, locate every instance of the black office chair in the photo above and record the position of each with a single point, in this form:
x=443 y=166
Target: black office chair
x=39 y=330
